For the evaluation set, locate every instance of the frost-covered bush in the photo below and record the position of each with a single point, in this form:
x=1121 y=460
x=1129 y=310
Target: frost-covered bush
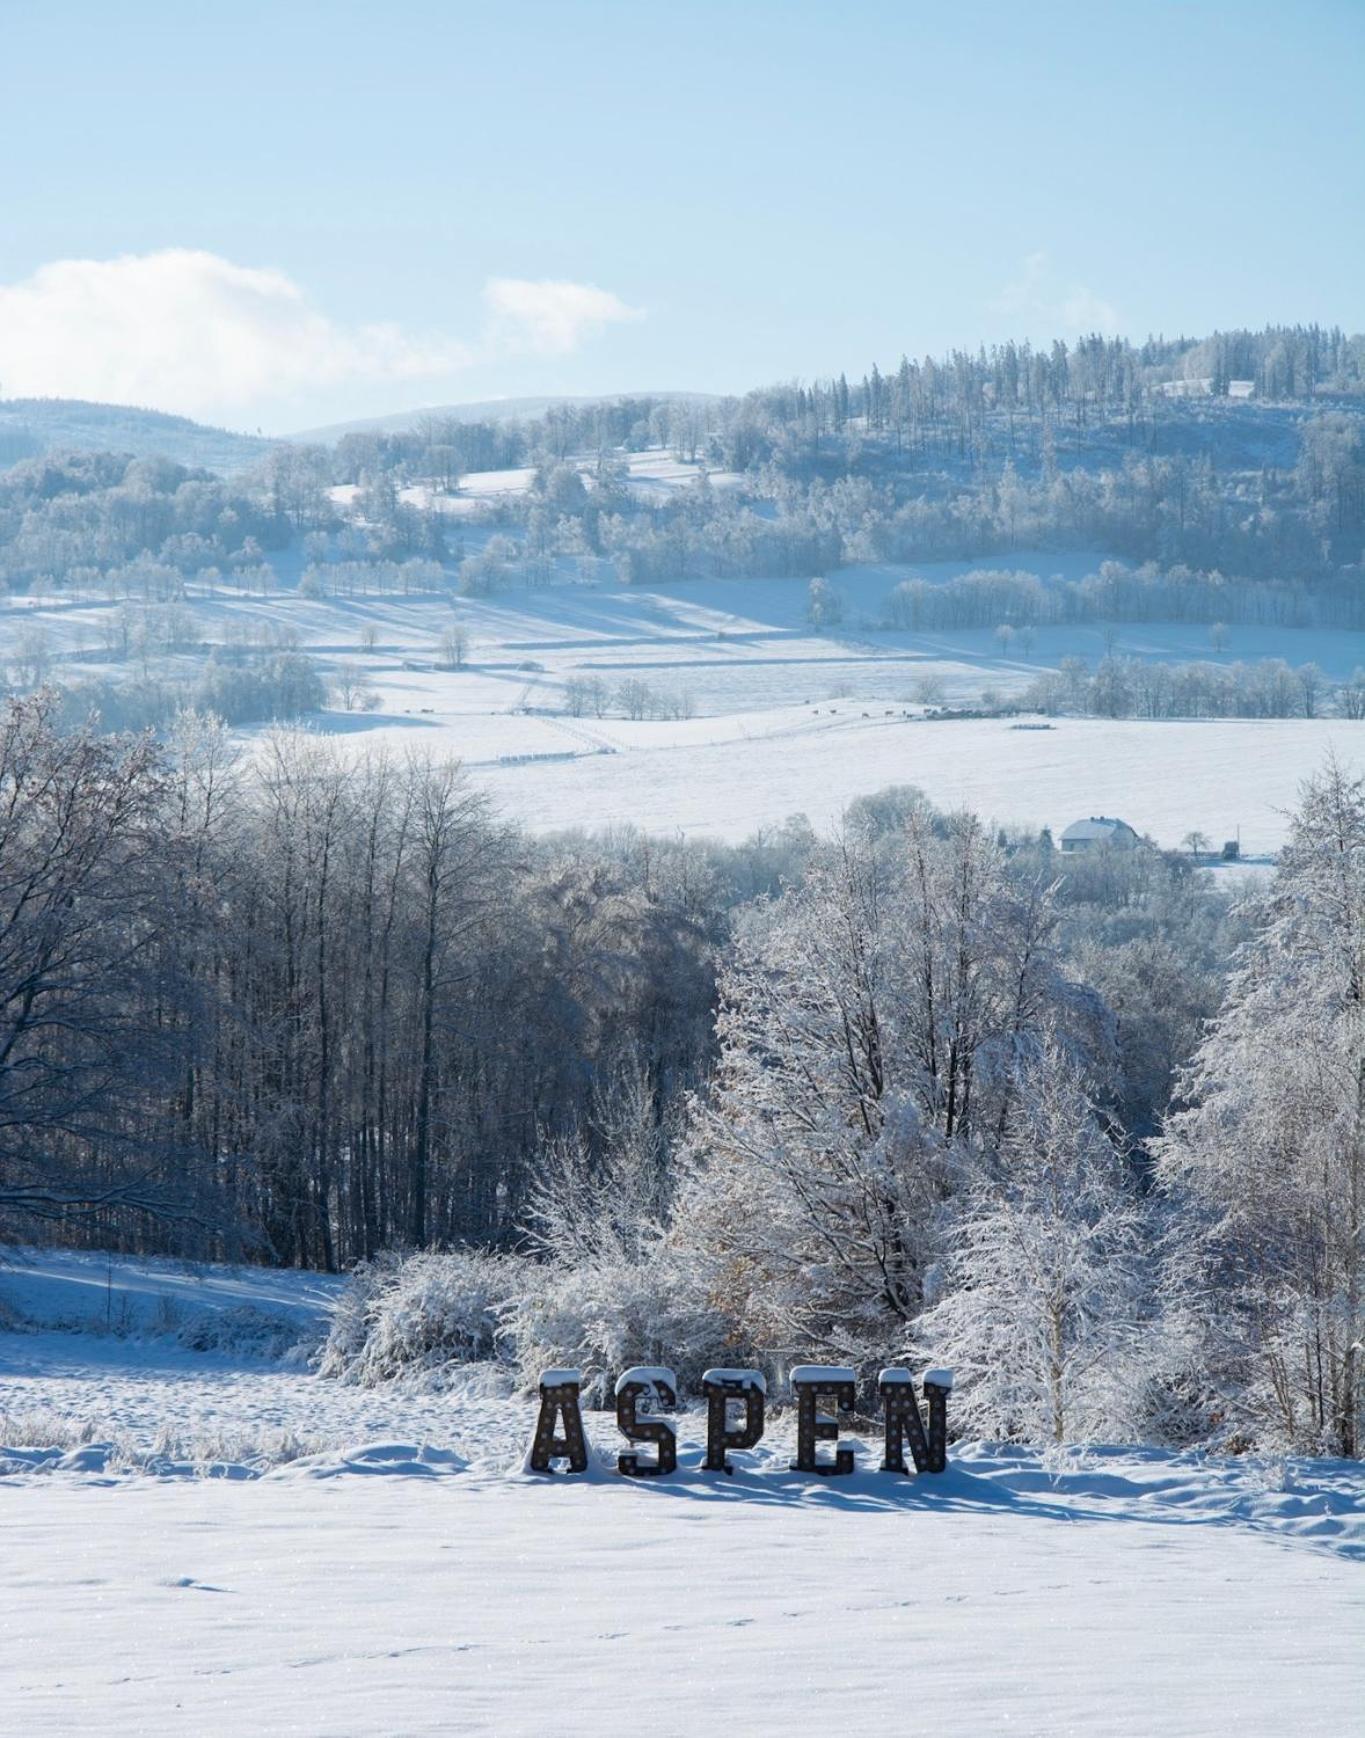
x=418 y=1314
x=430 y=1314
x=244 y=1331
x=601 y=1317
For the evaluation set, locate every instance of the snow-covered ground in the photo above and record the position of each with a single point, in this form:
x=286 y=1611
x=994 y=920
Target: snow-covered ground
x=374 y=1562
x=80 y=1291
x=1167 y=779
x=774 y=717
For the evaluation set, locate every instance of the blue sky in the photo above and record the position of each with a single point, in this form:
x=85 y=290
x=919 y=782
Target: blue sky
x=283 y=214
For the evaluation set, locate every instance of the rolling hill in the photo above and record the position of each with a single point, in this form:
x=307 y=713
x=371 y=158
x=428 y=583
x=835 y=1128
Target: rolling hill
x=480 y=410
x=30 y=427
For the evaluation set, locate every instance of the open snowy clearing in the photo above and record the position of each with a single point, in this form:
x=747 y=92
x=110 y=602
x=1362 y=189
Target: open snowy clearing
x=377 y=1606
x=1221 y=778
x=81 y=1291
x=210 y=1543
x=652 y=476
x=772 y=717
x=405 y=1577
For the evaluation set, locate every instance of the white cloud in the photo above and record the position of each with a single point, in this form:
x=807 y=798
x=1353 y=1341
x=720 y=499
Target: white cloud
x=1051 y=307
x=551 y=315
x=189 y=331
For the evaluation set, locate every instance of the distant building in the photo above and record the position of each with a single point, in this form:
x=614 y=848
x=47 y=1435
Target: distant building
x=1241 y=388
x=1089 y=835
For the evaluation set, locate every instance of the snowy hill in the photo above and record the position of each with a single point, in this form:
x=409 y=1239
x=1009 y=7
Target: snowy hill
x=317 y=1557
x=77 y=1291
x=481 y=410
x=30 y=427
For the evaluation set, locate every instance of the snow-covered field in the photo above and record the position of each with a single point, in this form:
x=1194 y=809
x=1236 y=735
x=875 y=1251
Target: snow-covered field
x=374 y=1562
x=771 y=716
x=651 y=476
x=1167 y=779
x=78 y=1291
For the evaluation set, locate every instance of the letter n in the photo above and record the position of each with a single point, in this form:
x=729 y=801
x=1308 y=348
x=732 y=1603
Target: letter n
x=905 y=1423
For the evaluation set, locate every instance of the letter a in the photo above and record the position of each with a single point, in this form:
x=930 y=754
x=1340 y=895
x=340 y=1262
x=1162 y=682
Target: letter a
x=559 y=1399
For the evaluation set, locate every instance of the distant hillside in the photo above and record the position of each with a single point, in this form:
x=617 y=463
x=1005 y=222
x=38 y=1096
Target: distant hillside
x=30 y=427
x=484 y=410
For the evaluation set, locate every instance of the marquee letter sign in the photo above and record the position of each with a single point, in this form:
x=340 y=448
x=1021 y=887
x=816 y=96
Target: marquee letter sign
x=812 y=1383
x=735 y=1404
x=658 y=1389
x=900 y=1409
x=559 y=1399
x=723 y=1389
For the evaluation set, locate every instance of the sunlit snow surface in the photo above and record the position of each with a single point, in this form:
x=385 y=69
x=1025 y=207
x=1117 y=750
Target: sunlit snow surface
x=214 y=1544
x=787 y=718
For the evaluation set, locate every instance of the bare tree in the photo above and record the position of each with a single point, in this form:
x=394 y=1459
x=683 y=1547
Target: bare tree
x=85 y=911
x=31 y=658
x=635 y=698
x=353 y=686
x=1197 y=844
x=453 y=647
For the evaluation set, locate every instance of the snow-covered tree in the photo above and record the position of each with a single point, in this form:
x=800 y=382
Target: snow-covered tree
x=1047 y=1286
x=616 y=1287
x=600 y=1193
x=1265 y=1160
x=869 y=1026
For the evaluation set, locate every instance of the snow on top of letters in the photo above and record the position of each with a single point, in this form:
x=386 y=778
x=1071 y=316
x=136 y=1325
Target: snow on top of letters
x=559 y=1378
x=822 y=1373
x=740 y=1378
x=653 y=1374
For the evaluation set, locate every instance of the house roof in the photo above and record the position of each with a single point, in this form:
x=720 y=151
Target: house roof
x=1097 y=827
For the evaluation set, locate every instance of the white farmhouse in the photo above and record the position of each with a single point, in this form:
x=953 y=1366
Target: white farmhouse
x=1090 y=834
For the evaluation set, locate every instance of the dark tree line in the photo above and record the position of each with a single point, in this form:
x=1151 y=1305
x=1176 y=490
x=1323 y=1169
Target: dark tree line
x=314 y=1009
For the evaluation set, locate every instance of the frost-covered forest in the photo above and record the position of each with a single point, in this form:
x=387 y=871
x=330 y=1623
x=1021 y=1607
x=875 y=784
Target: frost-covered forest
x=1089 y=1129
x=1222 y=482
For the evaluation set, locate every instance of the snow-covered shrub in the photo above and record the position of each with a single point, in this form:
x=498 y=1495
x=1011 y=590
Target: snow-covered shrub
x=602 y=1316
x=243 y=1331
x=418 y=1314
